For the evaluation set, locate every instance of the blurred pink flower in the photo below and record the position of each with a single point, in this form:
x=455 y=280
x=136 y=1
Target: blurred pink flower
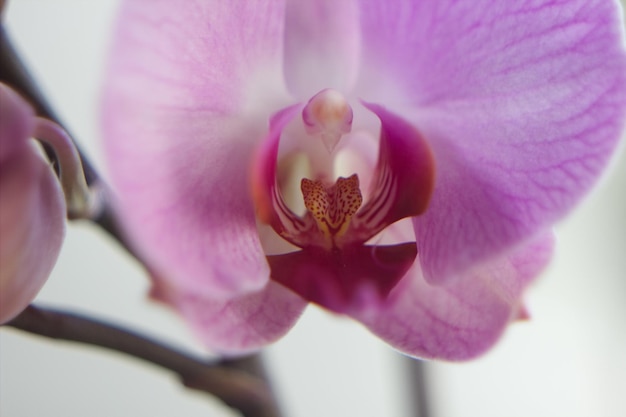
x=233 y=130
x=32 y=208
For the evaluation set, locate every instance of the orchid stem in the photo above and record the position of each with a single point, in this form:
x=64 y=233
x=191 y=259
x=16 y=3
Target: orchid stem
x=227 y=380
x=418 y=380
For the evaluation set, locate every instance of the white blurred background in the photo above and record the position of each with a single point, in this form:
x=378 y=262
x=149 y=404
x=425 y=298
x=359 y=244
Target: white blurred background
x=569 y=360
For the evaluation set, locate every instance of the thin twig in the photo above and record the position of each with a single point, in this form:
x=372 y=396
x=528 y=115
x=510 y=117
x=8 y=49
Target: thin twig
x=235 y=386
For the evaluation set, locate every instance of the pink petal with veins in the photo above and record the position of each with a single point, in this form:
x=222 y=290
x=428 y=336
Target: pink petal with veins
x=184 y=105
x=238 y=325
x=461 y=319
x=322 y=46
x=523 y=104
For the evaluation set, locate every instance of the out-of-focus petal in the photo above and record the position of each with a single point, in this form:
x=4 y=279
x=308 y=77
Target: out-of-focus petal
x=16 y=124
x=32 y=210
x=189 y=91
x=463 y=318
x=239 y=325
x=322 y=46
x=523 y=103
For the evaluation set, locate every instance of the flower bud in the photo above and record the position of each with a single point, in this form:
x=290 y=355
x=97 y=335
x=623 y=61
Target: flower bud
x=32 y=208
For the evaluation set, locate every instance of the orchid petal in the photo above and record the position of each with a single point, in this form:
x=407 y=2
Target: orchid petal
x=353 y=279
x=522 y=102
x=239 y=325
x=321 y=45
x=32 y=209
x=265 y=190
x=183 y=108
x=404 y=176
x=463 y=318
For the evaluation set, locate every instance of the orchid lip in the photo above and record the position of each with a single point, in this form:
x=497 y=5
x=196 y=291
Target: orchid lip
x=336 y=214
x=338 y=221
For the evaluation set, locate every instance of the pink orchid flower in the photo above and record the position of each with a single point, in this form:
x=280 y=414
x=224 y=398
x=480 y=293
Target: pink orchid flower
x=399 y=162
x=32 y=206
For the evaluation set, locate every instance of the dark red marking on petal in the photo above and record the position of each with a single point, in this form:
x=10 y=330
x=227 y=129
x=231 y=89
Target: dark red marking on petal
x=343 y=280
x=333 y=206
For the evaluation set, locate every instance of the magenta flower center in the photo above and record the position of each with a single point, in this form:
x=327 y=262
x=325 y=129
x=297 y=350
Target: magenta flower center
x=335 y=267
